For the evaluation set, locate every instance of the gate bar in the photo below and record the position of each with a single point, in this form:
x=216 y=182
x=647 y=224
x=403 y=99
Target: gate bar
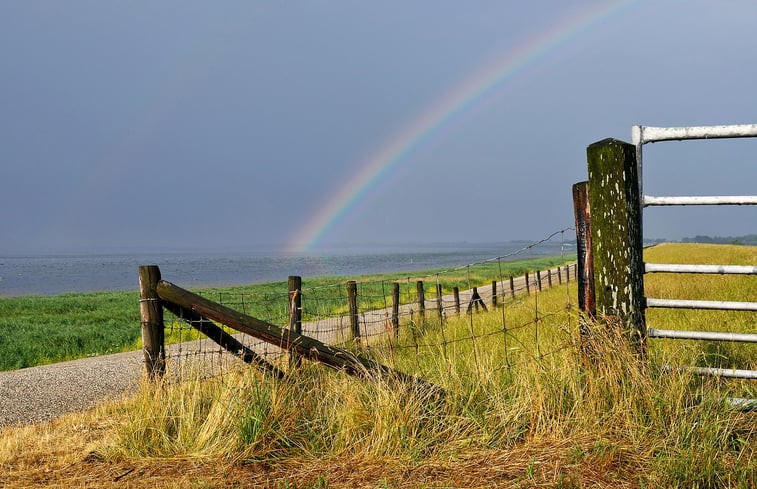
x=716 y=269
x=649 y=200
x=690 y=304
x=742 y=404
x=702 y=335
x=732 y=373
x=648 y=134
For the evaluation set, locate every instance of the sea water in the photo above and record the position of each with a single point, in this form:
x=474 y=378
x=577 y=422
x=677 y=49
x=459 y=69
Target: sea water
x=55 y=274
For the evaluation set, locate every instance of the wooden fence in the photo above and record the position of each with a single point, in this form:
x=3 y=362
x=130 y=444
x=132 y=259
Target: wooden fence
x=203 y=314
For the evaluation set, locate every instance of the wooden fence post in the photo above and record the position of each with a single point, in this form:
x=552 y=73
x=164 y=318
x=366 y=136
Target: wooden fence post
x=439 y=305
x=421 y=301
x=559 y=276
x=396 y=309
x=512 y=287
x=352 y=304
x=585 y=263
x=456 y=293
x=494 y=293
x=538 y=279
x=294 y=285
x=151 y=315
x=528 y=286
x=616 y=233
x=549 y=278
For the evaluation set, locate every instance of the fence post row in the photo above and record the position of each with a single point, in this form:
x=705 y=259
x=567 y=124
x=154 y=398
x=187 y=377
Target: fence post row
x=151 y=316
x=616 y=233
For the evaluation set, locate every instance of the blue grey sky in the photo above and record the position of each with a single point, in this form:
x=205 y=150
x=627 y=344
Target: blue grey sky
x=201 y=125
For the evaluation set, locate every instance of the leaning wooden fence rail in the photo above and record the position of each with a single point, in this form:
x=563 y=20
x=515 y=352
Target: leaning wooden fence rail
x=201 y=312
x=203 y=315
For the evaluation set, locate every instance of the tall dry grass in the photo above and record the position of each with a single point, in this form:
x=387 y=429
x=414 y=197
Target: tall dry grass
x=519 y=385
x=525 y=406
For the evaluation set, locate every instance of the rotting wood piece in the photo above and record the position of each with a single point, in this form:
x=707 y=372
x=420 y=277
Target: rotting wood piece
x=305 y=346
x=222 y=338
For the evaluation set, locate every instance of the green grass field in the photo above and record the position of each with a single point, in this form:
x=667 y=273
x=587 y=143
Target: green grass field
x=37 y=330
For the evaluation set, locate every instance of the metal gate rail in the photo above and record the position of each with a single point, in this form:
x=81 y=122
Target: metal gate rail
x=641 y=135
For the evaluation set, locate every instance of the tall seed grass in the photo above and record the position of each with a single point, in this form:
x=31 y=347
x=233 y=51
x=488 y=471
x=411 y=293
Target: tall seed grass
x=517 y=382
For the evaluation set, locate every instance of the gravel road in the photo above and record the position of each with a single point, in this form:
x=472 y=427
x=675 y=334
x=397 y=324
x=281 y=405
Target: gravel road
x=41 y=393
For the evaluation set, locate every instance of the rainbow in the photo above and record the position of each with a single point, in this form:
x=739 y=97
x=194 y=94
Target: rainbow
x=481 y=86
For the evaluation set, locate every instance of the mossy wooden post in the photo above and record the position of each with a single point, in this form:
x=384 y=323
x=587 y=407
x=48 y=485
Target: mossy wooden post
x=494 y=293
x=396 y=309
x=295 y=310
x=421 y=301
x=439 y=305
x=151 y=315
x=352 y=305
x=616 y=234
x=456 y=294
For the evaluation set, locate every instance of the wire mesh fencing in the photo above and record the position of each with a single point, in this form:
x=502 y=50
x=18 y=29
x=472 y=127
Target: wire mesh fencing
x=487 y=316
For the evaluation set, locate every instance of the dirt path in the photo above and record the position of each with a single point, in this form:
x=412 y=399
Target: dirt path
x=42 y=393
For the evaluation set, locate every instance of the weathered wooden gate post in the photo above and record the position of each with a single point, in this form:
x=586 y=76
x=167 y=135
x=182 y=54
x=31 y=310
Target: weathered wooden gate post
x=151 y=315
x=616 y=234
x=585 y=263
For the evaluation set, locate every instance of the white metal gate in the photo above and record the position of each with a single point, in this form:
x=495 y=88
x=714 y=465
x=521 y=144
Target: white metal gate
x=641 y=135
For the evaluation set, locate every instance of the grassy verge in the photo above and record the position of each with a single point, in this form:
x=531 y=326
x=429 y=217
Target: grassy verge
x=37 y=330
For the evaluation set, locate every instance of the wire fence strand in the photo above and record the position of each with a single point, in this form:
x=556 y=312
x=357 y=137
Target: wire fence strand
x=422 y=339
